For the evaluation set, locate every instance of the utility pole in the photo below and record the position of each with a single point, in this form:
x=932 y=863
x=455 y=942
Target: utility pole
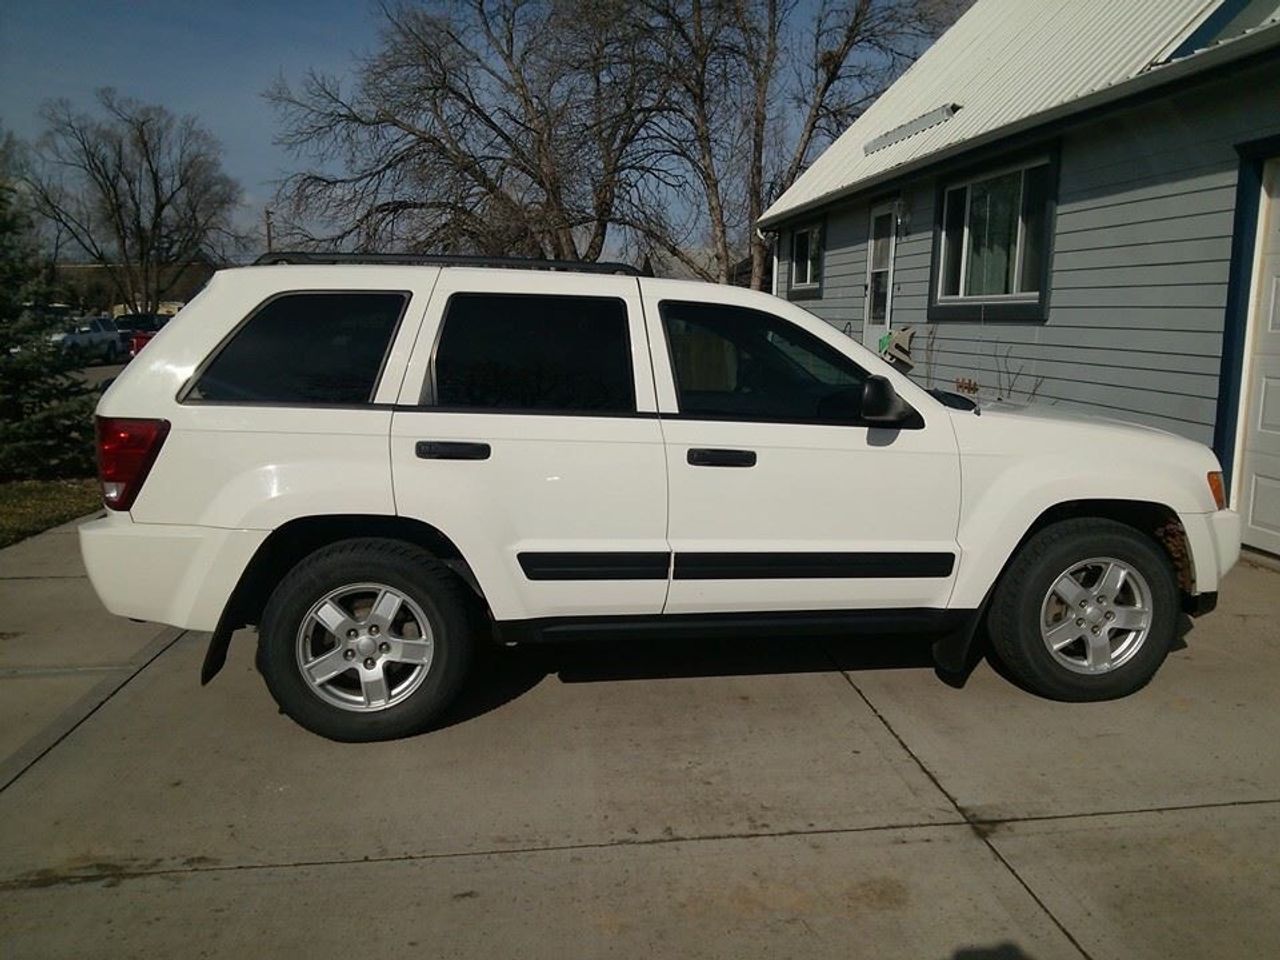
x=266 y=216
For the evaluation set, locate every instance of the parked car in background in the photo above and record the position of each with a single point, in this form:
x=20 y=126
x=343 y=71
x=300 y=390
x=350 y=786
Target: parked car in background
x=137 y=329
x=90 y=338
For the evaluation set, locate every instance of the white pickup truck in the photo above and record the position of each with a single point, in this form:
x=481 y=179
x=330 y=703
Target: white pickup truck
x=382 y=465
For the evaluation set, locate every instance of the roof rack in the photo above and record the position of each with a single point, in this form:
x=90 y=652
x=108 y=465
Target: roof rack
x=446 y=260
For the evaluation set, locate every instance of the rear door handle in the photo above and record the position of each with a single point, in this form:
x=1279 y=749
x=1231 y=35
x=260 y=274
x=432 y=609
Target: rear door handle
x=450 y=450
x=703 y=457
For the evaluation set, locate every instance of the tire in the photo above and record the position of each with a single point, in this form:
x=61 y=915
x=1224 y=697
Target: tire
x=1027 y=615
x=344 y=586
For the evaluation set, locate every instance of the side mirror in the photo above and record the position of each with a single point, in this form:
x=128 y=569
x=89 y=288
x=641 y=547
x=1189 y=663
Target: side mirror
x=881 y=403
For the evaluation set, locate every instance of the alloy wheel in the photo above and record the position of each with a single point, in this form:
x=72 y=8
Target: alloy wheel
x=364 y=647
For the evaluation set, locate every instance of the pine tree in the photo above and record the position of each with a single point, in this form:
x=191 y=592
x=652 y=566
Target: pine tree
x=46 y=410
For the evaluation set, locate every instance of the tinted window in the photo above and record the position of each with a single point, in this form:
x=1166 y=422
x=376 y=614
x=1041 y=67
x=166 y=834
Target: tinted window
x=306 y=348
x=522 y=352
x=741 y=363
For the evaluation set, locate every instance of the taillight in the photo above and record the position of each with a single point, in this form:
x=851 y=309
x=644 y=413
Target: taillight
x=1216 y=488
x=126 y=450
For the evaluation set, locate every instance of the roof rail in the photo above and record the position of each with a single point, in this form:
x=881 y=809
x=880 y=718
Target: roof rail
x=446 y=260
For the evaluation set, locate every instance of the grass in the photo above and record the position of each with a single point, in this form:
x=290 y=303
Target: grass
x=29 y=506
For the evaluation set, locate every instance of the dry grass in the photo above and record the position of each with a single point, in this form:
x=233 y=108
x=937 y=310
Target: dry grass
x=29 y=506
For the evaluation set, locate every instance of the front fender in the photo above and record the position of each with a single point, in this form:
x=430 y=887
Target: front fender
x=1004 y=500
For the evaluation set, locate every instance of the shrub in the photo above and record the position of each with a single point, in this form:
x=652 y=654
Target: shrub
x=46 y=411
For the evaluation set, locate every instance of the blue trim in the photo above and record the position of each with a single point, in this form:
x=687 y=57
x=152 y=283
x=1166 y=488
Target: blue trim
x=1244 y=235
x=1213 y=24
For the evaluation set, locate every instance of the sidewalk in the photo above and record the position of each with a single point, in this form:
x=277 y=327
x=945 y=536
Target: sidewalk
x=61 y=653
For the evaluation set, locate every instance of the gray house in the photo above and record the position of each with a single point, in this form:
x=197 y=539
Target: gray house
x=1075 y=201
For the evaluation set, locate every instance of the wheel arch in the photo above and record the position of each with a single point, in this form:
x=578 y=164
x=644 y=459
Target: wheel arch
x=296 y=539
x=1156 y=520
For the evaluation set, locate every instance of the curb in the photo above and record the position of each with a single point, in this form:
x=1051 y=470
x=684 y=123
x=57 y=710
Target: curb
x=26 y=756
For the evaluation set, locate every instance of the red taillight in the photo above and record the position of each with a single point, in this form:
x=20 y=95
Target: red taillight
x=126 y=450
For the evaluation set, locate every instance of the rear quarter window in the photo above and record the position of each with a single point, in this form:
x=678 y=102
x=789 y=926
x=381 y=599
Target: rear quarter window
x=305 y=348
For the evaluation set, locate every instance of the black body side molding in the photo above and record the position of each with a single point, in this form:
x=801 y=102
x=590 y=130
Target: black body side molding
x=603 y=565
x=791 y=566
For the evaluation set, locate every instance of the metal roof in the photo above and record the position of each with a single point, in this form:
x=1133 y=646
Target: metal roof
x=1007 y=65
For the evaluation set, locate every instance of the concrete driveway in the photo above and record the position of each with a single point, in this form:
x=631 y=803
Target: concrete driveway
x=782 y=799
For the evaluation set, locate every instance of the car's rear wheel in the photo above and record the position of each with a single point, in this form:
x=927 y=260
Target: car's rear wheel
x=366 y=640
x=1087 y=610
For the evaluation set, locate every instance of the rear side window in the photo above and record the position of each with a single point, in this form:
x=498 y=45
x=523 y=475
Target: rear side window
x=305 y=348
x=530 y=352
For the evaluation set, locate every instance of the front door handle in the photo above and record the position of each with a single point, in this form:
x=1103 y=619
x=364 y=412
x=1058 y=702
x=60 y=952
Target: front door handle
x=450 y=450
x=704 y=457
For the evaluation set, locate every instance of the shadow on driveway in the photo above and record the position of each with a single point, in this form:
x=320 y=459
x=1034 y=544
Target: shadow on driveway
x=507 y=673
x=503 y=674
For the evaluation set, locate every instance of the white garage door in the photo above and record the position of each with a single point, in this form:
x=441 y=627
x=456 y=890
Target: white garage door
x=1260 y=474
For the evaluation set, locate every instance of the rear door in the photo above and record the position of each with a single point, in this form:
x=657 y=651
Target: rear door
x=782 y=499
x=527 y=432
x=881 y=246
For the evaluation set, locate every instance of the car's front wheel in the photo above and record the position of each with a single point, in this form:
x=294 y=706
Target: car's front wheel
x=366 y=639
x=1087 y=610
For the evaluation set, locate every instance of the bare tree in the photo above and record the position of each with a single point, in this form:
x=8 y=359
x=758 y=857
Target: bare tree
x=140 y=191
x=536 y=127
x=758 y=87
x=490 y=126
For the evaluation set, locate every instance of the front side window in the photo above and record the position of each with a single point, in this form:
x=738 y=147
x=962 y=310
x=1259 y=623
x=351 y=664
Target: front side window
x=305 y=348
x=806 y=257
x=993 y=235
x=742 y=364
x=524 y=352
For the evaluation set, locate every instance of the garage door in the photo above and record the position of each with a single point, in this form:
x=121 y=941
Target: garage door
x=1260 y=478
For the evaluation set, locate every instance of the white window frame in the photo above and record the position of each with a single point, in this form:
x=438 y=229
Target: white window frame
x=815 y=255
x=1020 y=242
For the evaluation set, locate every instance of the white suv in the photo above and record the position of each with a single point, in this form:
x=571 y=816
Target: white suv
x=380 y=465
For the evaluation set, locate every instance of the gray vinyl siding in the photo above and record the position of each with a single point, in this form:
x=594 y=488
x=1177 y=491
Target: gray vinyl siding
x=1139 y=273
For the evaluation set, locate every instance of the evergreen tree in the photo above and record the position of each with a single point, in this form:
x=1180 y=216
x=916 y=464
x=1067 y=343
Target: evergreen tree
x=46 y=410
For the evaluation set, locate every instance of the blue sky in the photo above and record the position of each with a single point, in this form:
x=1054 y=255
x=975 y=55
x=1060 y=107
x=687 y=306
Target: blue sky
x=212 y=59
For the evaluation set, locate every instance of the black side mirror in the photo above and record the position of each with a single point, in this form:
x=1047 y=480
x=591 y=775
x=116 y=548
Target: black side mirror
x=881 y=403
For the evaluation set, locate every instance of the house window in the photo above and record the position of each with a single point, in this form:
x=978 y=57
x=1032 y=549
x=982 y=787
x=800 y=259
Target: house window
x=994 y=236
x=806 y=257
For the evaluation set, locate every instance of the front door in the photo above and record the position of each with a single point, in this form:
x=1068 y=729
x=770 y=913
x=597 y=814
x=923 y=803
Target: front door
x=880 y=250
x=1259 y=489
x=781 y=498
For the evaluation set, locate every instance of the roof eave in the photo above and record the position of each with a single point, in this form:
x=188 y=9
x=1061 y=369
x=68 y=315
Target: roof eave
x=1238 y=49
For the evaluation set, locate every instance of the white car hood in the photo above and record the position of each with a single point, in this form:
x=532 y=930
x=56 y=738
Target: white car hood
x=1053 y=414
